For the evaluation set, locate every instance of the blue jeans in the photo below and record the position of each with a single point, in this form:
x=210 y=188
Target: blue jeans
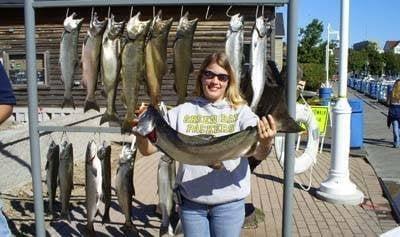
x=396 y=133
x=4 y=230
x=222 y=220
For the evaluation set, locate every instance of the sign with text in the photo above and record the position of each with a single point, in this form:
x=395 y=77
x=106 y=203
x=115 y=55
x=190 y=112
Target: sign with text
x=321 y=114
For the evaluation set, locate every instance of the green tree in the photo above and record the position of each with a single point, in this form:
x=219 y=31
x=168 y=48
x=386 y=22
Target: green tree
x=367 y=58
x=310 y=50
x=392 y=63
x=357 y=60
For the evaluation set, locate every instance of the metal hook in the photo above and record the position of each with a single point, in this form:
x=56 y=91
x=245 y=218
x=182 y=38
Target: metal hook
x=208 y=9
x=181 y=10
x=66 y=15
x=227 y=11
x=92 y=15
x=154 y=11
x=109 y=12
x=262 y=10
x=256 y=12
x=130 y=16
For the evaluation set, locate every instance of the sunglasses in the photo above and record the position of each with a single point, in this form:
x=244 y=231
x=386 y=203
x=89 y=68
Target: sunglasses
x=221 y=77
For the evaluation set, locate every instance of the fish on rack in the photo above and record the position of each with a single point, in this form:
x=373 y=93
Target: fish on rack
x=182 y=60
x=66 y=177
x=234 y=45
x=52 y=163
x=258 y=60
x=132 y=67
x=69 y=58
x=110 y=66
x=91 y=60
x=93 y=185
x=104 y=154
x=156 y=56
x=124 y=185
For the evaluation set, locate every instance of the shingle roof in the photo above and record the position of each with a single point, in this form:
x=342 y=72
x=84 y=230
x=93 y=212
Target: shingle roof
x=390 y=44
x=280 y=28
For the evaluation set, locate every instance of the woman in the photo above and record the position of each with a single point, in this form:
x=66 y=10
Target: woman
x=394 y=113
x=213 y=199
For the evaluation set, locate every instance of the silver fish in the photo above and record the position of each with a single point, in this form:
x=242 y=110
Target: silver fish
x=91 y=61
x=156 y=56
x=124 y=184
x=104 y=154
x=234 y=45
x=133 y=67
x=66 y=175
x=93 y=181
x=110 y=66
x=195 y=150
x=69 y=56
x=53 y=159
x=182 y=63
x=258 y=60
x=166 y=182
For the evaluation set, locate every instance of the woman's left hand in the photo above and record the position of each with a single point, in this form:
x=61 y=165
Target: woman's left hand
x=266 y=131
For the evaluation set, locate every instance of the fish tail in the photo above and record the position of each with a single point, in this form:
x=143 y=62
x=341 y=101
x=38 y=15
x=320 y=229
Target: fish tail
x=68 y=102
x=106 y=216
x=91 y=104
x=90 y=229
x=65 y=216
x=106 y=117
x=289 y=125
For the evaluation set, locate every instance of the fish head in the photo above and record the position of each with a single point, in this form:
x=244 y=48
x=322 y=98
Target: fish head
x=147 y=122
x=91 y=151
x=126 y=154
x=261 y=26
x=114 y=28
x=185 y=25
x=71 y=24
x=136 y=27
x=236 y=22
x=161 y=26
x=96 y=26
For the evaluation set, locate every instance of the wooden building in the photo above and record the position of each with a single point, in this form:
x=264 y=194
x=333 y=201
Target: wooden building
x=209 y=37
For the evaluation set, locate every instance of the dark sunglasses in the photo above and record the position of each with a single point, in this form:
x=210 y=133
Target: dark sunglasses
x=221 y=77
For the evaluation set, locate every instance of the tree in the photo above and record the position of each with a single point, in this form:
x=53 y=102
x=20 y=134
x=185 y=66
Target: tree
x=392 y=63
x=310 y=50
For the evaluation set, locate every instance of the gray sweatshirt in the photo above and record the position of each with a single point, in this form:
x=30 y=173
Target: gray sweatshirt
x=200 y=183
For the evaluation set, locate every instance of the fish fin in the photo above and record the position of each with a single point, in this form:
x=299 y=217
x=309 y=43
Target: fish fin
x=91 y=105
x=217 y=165
x=68 y=102
x=106 y=117
x=106 y=218
x=253 y=163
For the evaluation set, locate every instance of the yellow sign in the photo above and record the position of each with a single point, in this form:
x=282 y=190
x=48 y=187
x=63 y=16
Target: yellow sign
x=321 y=114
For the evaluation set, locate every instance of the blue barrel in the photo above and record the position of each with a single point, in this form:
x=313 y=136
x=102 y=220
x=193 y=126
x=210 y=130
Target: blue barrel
x=356 y=124
x=325 y=95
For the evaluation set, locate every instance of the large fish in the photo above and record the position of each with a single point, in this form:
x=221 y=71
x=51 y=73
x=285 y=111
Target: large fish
x=195 y=150
x=133 y=66
x=156 y=56
x=66 y=176
x=91 y=60
x=52 y=163
x=166 y=182
x=182 y=63
x=104 y=154
x=69 y=56
x=110 y=66
x=234 y=45
x=258 y=60
x=93 y=181
x=124 y=184
x=273 y=101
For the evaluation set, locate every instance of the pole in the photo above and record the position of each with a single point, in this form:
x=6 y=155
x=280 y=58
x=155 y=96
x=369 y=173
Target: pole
x=290 y=137
x=338 y=188
x=327 y=57
x=33 y=116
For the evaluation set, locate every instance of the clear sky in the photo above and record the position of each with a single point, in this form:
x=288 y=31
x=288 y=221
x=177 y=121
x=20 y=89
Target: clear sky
x=373 y=20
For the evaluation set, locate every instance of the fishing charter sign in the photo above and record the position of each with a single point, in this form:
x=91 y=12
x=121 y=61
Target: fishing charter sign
x=321 y=114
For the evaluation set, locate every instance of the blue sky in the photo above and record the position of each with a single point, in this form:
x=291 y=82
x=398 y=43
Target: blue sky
x=374 y=20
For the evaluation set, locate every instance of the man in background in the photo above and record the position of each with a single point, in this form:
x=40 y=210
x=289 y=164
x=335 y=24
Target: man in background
x=7 y=101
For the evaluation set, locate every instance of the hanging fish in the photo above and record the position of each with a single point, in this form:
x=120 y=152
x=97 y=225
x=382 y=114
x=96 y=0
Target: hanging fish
x=91 y=60
x=66 y=177
x=69 y=56
x=234 y=45
x=53 y=160
x=182 y=63
x=156 y=56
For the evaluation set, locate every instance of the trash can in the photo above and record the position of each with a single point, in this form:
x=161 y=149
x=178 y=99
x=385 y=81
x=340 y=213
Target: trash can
x=357 y=123
x=325 y=95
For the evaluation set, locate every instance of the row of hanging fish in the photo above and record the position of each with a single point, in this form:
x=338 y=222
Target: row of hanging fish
x=114 y=51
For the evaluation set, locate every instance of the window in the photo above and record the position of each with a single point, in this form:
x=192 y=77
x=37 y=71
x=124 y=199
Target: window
x=15 y=66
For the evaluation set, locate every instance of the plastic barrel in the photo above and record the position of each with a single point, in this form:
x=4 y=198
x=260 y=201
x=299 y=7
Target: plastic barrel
x=325 y=95
x=357 y=123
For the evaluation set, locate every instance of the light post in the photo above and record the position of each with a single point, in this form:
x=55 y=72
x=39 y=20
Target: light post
x=366 y=67
x=383 y=68
x=327 y=50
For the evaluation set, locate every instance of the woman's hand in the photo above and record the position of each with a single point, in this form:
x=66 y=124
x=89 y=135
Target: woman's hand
x=266 y=132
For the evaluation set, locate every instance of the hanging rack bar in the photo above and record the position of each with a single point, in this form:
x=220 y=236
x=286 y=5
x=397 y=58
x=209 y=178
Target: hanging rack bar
x=91 y=3
x=79 y=129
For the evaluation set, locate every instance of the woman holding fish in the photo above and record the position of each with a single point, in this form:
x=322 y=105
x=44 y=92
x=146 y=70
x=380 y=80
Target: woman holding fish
x=212 y=196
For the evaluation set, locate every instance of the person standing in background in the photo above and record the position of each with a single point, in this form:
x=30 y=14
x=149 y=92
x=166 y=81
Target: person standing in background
x=7 y=102
x=393 y=118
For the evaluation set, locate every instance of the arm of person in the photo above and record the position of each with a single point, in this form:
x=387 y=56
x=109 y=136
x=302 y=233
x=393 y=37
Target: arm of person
x=5 y=112
x=266 y=133
x=144 y=145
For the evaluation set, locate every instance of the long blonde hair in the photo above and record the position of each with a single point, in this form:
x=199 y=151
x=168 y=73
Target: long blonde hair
x=395 y=95
x=232 y=92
